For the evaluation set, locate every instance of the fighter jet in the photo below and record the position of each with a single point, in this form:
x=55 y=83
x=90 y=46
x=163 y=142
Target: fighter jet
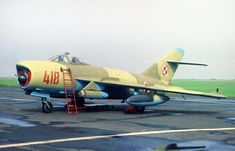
x=47 y=79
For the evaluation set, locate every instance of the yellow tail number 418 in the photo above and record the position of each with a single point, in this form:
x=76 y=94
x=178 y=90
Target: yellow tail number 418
x=51 y=77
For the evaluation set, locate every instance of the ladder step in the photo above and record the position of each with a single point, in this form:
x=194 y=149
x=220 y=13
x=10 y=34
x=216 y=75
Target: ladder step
x=67 y=77
x=66 y=73
x=72 y=109
x=68 y=80
x=69 y=95
x=65 y=69
x=68 y=87
x=70 y=92
x=70 y=106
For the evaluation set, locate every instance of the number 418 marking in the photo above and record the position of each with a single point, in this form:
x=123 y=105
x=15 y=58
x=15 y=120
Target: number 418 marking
x=51 y=78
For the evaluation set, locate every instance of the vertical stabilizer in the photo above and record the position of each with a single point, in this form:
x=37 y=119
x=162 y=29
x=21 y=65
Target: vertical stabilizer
x=164 y=70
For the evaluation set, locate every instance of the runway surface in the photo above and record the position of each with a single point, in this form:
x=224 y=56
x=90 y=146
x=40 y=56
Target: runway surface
x=194 y=124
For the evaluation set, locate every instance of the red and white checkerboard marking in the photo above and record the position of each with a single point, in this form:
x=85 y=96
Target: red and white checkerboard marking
x=165 y=70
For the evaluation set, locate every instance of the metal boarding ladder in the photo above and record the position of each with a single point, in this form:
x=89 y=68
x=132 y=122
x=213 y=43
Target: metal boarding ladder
x=70 y=95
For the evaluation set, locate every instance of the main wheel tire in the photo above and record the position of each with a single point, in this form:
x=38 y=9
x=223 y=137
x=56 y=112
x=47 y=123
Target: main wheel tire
x=47 y=107
x=130 y=109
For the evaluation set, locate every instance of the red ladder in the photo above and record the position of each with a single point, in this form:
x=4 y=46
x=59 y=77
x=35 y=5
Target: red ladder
x=70 y=95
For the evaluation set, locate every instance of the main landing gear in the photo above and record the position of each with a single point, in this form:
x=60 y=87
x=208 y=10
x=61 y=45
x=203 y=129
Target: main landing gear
x=134 y=109
x=80 y=102
x=47 y=107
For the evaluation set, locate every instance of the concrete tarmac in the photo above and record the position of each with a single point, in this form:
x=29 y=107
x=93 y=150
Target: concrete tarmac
x=190 y=124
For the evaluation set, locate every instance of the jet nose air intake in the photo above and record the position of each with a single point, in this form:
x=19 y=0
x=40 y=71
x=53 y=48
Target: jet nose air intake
x=22 y=79
x=24 y=75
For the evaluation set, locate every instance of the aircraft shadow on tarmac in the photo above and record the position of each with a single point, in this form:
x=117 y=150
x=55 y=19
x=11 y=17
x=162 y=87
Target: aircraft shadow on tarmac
x=121 y=108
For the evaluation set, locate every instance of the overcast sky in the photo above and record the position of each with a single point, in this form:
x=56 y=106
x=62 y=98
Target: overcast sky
x=123 y=34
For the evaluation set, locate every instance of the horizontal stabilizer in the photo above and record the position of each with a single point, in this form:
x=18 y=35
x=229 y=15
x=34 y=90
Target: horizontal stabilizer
x=186 y=63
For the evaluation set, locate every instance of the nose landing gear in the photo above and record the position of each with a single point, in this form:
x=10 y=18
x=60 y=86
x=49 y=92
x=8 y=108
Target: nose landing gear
x=47 y=107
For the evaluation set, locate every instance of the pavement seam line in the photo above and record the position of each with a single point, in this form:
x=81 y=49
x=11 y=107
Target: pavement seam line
x=113 y=135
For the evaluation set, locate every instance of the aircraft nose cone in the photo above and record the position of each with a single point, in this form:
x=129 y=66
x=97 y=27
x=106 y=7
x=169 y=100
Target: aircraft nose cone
x=22 y=79
x=24 y=75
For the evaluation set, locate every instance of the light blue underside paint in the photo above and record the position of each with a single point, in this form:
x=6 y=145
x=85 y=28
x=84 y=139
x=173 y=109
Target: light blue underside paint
x=147 y=104
x=99 y=87
x=79 y=85
x=146 y=100
x=104 y=94
x=42 y=95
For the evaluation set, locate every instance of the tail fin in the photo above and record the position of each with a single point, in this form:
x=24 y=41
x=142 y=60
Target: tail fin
x=164 y=70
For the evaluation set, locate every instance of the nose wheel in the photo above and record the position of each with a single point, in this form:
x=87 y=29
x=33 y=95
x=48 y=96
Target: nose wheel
x=47 y=107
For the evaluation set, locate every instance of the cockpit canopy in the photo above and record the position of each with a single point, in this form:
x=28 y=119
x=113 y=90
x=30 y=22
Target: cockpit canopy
x=66 y=58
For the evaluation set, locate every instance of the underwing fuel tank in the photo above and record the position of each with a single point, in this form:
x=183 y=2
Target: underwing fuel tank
x=147 y=100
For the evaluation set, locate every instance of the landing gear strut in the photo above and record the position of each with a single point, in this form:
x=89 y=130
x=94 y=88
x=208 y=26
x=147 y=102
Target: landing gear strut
x=80 y=102
x=47 y=107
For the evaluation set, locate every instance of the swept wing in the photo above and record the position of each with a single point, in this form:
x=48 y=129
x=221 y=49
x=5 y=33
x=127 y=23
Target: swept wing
x=153 y=87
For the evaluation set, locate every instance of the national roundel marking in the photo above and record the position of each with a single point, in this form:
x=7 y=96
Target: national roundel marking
x=165 y=70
